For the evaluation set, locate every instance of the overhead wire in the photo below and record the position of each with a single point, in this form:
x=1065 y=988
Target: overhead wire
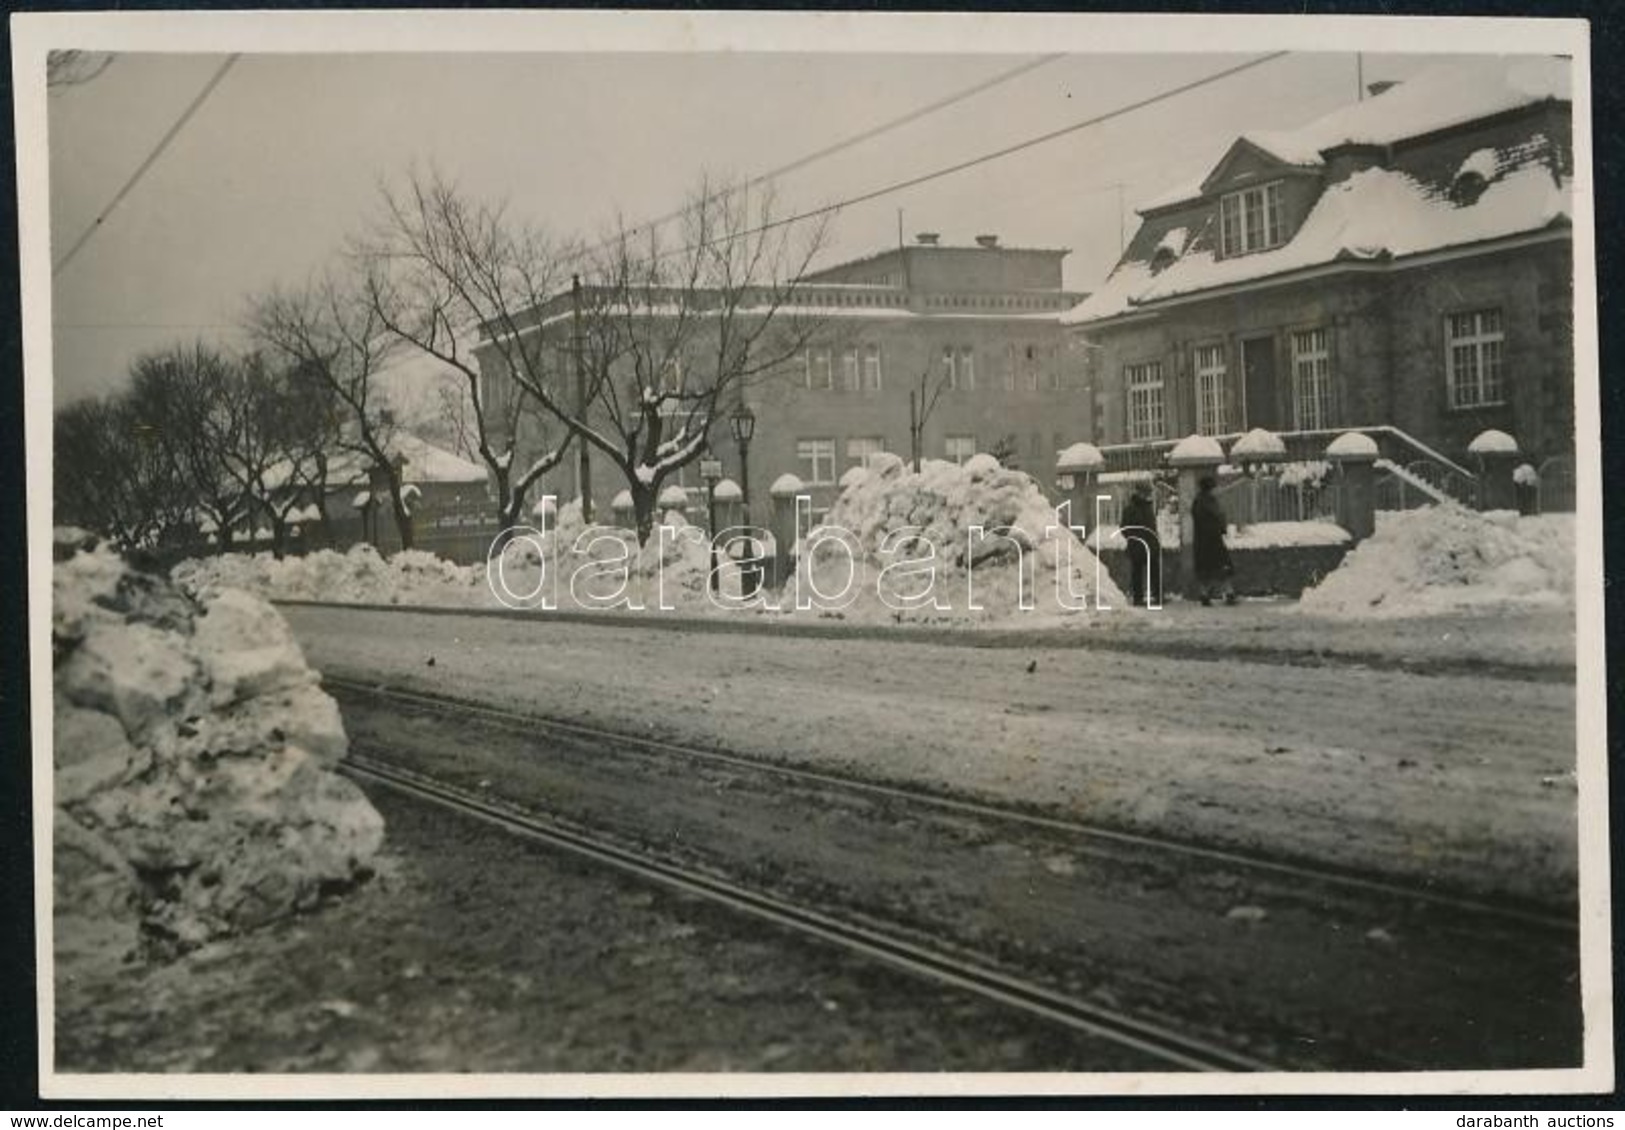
x=151 y=159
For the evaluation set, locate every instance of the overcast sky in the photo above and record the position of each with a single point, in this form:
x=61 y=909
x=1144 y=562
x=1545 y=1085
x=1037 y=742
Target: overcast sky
x=284 y=158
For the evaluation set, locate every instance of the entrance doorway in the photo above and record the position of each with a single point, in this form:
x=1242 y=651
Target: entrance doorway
x=1258 y=387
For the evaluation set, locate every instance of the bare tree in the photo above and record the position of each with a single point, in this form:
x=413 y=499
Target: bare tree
x=278 y=445
x=182 y=403
x=330 y=333
x=922 y=402
x=437 y=268
x=111 y=478
x=669 y=337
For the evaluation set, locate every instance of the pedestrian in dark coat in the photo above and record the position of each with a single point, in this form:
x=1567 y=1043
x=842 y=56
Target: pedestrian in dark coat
x=1139 y=530
x=1213 y=567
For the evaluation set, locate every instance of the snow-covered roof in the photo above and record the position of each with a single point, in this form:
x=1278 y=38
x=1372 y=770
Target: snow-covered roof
x=1492 y=442
x=1375 y=215
x=424 y=463
x=1436 y=98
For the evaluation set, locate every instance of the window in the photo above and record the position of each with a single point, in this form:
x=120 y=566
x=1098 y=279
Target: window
x=1212 y=391
x=871 y=368
x=1029 y=369
x=1145 y=415
x=1311 y=379
x=1250 y=220
x=967 y=369
x=950 y=370
x=818 y=369
x=817 y=459
x=957 y=449
x=859 y=448
x=849 y=370
x=1473 y=346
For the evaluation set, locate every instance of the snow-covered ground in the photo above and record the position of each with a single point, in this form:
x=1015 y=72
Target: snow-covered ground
x=194 y=754
x=1442 y=559
x=1463 y=779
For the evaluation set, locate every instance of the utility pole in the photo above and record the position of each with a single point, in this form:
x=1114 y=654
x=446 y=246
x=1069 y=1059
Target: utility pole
x=1359 y=75
x=584 y=462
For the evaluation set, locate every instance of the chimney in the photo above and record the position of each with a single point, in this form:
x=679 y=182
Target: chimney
x=987 y=240
x=928 y=238
x=1377 y=88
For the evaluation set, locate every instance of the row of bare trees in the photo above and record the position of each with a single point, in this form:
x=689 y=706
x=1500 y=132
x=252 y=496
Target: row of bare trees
x=635 y=347
x=201 y=440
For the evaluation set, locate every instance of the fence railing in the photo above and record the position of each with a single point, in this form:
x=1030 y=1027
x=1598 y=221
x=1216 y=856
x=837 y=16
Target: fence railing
x=1556 y=488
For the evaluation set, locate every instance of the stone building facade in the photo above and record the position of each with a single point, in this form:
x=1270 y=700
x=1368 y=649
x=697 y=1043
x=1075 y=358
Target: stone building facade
x=1405 y=261
x=972 y=331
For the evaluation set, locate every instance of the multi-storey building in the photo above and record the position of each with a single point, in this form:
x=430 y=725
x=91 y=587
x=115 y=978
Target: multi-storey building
x=1403 y=261
x=973 y=332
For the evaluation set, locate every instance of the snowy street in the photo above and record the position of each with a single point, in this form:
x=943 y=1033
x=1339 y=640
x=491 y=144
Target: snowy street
x=1458 y=779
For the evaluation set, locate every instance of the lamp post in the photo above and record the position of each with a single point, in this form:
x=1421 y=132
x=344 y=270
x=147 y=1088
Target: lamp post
x=711 y=474
x=743 y=423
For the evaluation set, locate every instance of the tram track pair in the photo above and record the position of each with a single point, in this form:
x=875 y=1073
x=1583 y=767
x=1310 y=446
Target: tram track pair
x=1160 y=1043
x=1288 y=871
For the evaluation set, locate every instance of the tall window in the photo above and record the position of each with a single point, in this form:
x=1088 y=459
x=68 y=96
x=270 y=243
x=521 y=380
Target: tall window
x=1250 y=220
x=967 y=369
x=1311 y=379
x=1029 y=378
x=957 y=449
x=1473 y=347
x=859 y=448
x=1212 y=391
x=849 y=370
x=950 y=369
x=1145 y=411
x=871 y=368
x=817 y=459
x=818 y=370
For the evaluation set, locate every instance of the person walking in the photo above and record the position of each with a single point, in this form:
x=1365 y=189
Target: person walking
x=1213 y=567
x=1139 y=530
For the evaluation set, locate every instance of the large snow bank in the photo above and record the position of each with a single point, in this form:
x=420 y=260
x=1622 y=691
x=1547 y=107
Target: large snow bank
x=1449 y=559
x=360 y=576
x=194 y=754
x=907 y=553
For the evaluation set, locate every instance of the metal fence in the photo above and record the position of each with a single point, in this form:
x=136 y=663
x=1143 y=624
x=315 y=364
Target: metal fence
x=1556 y=487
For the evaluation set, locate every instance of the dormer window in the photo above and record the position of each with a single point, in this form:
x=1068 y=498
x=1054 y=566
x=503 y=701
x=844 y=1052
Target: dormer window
x=1473 y=177
x=1250 y=220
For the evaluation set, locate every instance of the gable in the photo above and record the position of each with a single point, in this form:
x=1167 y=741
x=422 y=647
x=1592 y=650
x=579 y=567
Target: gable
x=1245 y=163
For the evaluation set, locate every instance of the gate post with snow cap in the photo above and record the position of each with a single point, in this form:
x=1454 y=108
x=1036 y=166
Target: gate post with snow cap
x=1076 y=470
x=673 y=497
x=729 y=500
x=624 y=511
x=1497 y=456
x=1354 y=454
x=1194 y=457
x=784 y=490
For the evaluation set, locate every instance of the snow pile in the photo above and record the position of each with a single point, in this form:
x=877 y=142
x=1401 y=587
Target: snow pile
x=898 y=546
x=359 y=576
x=1447 y=559
x=194 y=755
x=599 y=568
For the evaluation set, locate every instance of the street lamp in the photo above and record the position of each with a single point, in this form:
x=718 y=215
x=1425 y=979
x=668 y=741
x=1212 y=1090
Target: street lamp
x=743 y=423
x=711 y=474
